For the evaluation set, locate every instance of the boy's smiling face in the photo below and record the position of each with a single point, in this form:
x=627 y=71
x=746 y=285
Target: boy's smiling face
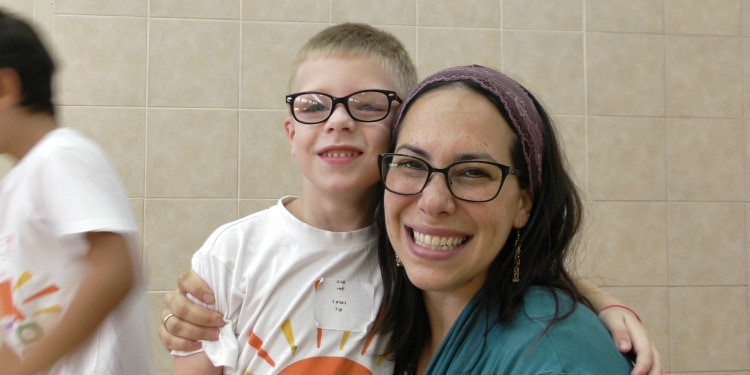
x=340 y=155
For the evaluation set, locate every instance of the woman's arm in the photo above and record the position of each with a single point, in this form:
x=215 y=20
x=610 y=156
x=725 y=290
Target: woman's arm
x=626 y=328
x=190 y=321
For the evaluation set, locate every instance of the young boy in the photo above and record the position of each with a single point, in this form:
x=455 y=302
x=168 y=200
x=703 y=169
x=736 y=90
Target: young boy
x=299 y=283
x=68 y=260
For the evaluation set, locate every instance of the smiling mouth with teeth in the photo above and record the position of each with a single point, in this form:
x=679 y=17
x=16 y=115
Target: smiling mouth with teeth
x=340 y=154
x=437 y=242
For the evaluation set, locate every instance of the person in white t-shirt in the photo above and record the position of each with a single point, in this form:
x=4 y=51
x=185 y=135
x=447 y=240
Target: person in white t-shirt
x=299 y=283
x=71 y=295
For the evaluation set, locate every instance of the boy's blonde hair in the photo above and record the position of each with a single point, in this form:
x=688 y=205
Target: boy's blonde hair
x=357 y=39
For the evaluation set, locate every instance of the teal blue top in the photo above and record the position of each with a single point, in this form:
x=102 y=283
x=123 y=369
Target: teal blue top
x=579 y=344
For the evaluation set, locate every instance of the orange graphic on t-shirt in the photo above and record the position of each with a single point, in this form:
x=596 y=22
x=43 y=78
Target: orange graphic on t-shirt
x=332 y=365
x=14 y=318
x=8 y=307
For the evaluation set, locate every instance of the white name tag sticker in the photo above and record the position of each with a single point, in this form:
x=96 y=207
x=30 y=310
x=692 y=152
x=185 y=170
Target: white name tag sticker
x=344 y=305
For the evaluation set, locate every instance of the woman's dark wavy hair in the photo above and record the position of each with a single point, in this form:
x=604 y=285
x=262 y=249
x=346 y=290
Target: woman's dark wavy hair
x=546 y=242
x=23 y=51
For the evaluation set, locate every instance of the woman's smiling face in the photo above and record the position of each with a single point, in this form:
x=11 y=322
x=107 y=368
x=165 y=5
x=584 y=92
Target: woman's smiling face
x=443 y=126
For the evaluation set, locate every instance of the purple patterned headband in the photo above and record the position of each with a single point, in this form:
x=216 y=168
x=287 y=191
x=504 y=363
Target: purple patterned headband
x=525 y=119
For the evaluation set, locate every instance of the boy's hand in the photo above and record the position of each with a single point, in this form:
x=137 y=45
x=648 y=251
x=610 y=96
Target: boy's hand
x=630 y=335
x=184 y=322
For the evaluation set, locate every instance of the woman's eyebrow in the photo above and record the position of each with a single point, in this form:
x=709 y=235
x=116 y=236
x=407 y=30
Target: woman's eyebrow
x=476 y=156
x=414 y=149
x=418 y=151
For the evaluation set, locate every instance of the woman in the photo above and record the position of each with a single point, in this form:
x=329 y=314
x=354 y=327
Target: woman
x=480 y=214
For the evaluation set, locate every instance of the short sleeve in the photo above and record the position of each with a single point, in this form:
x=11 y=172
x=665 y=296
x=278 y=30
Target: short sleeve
x=218 y=275
x=82 y=192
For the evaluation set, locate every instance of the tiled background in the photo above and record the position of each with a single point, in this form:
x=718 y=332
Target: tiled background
x=653 y=97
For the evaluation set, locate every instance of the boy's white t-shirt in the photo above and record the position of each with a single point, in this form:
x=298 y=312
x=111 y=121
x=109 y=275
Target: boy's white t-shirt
x=62 y=189
x=296 y=298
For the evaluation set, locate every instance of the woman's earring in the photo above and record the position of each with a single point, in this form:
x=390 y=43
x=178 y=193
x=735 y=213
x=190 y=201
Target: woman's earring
x=516 y=258
x=398 y=261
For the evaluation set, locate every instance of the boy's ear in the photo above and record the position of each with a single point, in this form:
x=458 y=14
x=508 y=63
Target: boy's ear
x=10 y=88
x=289 y=130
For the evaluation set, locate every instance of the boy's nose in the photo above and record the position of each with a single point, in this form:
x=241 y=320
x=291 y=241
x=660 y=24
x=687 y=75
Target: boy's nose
x=340 y=119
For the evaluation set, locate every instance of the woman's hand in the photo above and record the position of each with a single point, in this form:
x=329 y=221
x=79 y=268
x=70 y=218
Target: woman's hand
x=185 y=322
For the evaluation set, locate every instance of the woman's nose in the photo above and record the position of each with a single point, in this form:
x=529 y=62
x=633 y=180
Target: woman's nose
x=436 y=198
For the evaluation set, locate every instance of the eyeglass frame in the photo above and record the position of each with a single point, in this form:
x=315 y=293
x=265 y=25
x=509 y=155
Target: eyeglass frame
x=392 y=95
x=505 y=170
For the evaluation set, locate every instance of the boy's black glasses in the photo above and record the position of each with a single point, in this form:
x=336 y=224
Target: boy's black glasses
x=471 y=180
x=312 y=107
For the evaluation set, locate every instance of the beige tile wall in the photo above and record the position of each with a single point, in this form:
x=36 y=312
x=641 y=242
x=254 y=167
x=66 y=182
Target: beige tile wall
x=652 y=98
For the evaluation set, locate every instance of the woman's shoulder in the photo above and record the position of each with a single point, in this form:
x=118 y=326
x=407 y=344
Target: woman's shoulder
x=542 y=303
x=557 y=318
x=569 y=335
x=576 y=343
